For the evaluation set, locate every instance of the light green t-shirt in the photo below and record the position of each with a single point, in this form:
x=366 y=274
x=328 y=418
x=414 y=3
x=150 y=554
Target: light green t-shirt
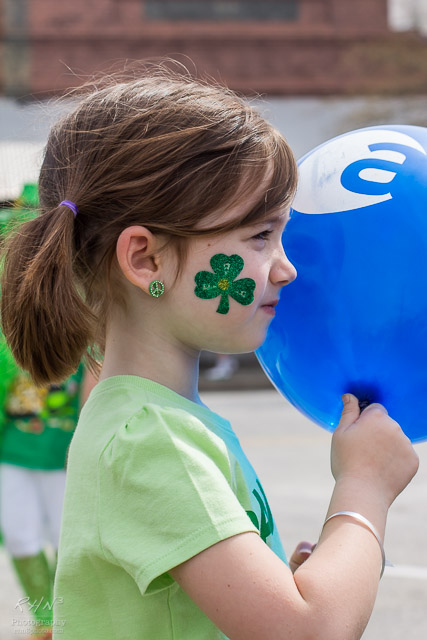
x=153 y=479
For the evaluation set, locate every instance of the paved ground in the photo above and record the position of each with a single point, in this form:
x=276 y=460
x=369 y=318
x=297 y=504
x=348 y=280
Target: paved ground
x=292 y=458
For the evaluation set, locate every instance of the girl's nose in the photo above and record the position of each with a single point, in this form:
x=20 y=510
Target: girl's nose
x=283 y=271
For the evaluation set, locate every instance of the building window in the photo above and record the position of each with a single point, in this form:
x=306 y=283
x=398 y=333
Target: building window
x=240 y=10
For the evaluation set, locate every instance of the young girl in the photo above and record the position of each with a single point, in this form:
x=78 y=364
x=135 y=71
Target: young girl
x=163 y=205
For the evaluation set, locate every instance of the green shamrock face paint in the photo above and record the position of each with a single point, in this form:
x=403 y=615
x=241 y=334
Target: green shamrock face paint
x=220 y=283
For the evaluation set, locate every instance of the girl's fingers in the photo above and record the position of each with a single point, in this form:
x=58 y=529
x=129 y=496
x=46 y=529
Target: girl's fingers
x=350 y=412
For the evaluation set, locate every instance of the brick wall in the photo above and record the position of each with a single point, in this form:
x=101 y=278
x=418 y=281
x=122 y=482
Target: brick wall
x=334 y=46
x=117 y=16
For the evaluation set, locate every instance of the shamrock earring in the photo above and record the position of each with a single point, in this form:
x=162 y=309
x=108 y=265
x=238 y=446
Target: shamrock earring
x=156 y=288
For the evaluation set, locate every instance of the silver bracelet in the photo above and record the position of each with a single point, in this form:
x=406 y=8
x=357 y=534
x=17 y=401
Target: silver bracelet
x=368 y=525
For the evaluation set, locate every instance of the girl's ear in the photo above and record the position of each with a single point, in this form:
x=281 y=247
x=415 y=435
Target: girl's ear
x=136 y=254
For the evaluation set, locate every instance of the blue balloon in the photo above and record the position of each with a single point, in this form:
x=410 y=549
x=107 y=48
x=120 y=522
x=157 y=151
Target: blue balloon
x=355 y=319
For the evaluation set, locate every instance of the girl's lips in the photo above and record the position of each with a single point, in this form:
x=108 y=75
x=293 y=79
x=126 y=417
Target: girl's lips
x=269 y=310
x=271 y=303
x=269 y=307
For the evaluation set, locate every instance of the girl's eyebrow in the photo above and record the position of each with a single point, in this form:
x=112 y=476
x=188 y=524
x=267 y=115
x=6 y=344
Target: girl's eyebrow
x=278 y=218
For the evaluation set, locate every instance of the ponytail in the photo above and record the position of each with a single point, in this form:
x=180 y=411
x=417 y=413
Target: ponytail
x=44 y=318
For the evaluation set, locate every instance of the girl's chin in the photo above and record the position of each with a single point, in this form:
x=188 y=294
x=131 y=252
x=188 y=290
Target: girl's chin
x=248 y=347
x=245 y=340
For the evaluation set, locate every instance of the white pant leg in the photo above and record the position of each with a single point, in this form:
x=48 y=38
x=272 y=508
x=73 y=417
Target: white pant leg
x=21 y=517
x=51 y=486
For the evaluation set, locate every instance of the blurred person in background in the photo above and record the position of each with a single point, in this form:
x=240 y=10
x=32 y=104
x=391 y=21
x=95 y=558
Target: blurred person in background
x=36 y=427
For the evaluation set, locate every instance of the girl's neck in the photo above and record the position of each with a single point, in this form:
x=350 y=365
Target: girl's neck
x=154 y=358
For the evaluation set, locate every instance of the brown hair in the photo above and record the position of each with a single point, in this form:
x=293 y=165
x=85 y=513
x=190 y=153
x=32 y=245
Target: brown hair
x=163 y=151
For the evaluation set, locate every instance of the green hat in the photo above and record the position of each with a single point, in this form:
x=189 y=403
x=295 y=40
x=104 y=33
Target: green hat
x=29 y=197
x=24 y=208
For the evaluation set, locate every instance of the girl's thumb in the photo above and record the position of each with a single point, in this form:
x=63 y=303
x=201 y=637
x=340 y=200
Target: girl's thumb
x=351 y=410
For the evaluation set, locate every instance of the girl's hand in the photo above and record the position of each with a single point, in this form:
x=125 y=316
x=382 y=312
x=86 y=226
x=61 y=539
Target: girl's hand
x=300 y=555
x=370 y=449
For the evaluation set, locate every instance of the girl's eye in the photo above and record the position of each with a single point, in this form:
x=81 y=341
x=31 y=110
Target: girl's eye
x=263 y=235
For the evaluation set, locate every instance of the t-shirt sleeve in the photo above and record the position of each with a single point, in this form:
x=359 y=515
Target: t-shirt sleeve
x=164 y=494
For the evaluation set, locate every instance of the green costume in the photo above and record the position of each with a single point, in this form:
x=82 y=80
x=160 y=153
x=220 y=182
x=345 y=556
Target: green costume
x=39 y=422
x=38 y=425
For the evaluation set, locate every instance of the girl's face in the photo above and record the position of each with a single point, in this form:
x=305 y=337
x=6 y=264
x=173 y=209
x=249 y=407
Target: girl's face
x=209 y=311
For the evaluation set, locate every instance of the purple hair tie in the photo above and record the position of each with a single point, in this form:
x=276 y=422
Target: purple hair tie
x=70 y=205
